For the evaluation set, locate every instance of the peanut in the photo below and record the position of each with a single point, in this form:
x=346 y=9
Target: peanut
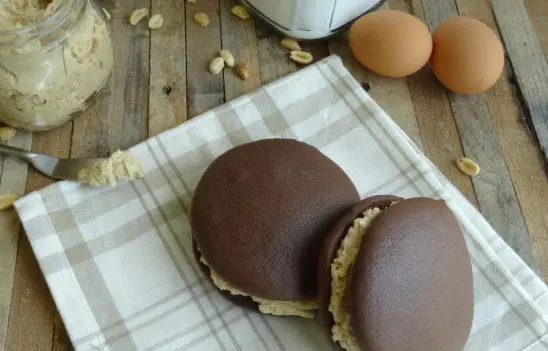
x=243 y=70
x=202 y=19
x=240 y=12
x=290 y=44
x=191 y=1
x=137 y=16
x=155 y=22
x=216 y=65
x=6 y=133
x=7 y=200
x=227 y=56
x=467 y=166
x=301 y=57
x=106 y=13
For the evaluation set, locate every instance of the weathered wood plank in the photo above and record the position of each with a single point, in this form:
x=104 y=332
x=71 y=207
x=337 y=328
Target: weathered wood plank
x=168 y=68
x=538 y=13
x=61 y=340
x=204 y=90
x=274 y=60
x=9 y=237
x=527 y=177
x=32 y=309
x=525 y=165
x=438 y=131
x=238 y=37
x=493 y=187
x=119 y=119
x=529 y=64
x=13 y=174
x=536 y=217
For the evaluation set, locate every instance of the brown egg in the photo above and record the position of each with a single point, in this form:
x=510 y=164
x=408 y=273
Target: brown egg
x=468 y=57
x=390 y=43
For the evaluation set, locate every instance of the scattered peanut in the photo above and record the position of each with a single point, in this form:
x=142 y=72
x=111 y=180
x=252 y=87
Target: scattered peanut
x=155 y=22
x=6 y=133
x=106 y=13
x=138 y=15
x=202 y=19
x=7 y=200
x=227 y=56
x=216 y=65
x=240 y=12
x=243 y=70
x=467 y=166
x=191 y=1
x=302 y=57
x=290 y=44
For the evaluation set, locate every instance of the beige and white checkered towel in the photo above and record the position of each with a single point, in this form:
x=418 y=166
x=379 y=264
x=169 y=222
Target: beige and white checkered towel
x=119 y=262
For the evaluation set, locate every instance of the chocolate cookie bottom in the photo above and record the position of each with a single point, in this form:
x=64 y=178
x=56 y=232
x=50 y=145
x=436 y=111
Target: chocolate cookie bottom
x=304 y=309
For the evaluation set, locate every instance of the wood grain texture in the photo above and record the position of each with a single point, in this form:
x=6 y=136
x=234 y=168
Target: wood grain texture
x=61 y=340
x=526 y=175
x=538 y=13
x=13 y=174
x=33 y=309
x=273 y=57
x=529 y=63
x=525 y=165
x=494 y=187
x=238 y=37
x=9 y=237
x=167 y=101
x=204 y=90
x=529 y=180
x=119 y=119
x=438 y=130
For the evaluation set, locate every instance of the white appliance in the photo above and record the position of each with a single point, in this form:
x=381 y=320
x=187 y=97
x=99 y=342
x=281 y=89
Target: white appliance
x=310 y=19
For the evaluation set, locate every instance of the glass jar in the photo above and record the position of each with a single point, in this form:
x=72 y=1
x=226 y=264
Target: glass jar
x=55 y=57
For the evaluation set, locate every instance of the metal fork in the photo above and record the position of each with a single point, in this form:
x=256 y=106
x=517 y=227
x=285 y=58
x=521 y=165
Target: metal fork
x=60 y=169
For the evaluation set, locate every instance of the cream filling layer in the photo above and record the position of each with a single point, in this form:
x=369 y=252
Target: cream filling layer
x=298 y=308
x=340 y=274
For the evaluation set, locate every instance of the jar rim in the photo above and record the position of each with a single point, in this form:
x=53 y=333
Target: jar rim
x=39 y=28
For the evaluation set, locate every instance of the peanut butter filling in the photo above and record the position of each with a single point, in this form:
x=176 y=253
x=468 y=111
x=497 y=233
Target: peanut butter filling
x=298 y=308
x=340 y=274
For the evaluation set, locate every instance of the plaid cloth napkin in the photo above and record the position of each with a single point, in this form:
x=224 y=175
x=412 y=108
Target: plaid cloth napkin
x=119 y=261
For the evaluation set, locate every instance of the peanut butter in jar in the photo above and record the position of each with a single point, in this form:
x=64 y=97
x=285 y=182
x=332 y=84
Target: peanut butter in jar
x=55 y=57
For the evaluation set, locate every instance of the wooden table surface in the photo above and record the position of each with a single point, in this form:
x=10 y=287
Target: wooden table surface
x=161 y=80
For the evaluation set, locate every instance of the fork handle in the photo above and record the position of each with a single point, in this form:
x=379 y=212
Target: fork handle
x=14 y=151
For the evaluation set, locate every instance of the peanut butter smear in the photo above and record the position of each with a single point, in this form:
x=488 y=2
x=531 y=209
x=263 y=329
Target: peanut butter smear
x=122 y=165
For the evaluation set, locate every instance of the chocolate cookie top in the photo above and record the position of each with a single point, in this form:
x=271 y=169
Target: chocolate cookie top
x=261 y=211
x=332 y=244
x=411 y=287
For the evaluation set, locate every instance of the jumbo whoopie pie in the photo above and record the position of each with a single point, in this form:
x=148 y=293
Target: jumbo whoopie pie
x=259 y=216
x=395 y=274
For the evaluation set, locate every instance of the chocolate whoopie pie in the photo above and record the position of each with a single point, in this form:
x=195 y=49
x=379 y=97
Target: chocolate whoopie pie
x=259 y=216
x=395 y=274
